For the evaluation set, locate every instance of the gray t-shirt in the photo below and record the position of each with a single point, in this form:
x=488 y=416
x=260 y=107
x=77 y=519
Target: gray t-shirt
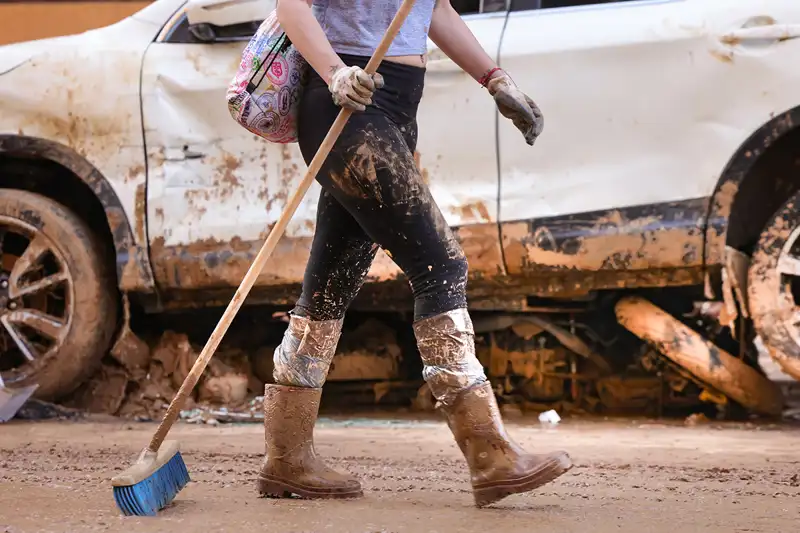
x=356 y=26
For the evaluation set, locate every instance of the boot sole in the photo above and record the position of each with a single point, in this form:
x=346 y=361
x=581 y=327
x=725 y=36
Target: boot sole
x=488 y=493
x=280 y=488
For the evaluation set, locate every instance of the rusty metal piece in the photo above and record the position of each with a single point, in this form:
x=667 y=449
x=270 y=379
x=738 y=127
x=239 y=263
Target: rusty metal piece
x=649 y=238
x=736 y=265
x=713 y=396
x=571 y=342
x=543 y=369
x=728 y=313
x=704 y=360
x=131 y=351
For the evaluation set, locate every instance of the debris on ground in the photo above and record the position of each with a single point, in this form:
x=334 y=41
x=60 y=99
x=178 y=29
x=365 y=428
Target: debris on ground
x=696 y=419
x=34 y=409
x=226 y=385
x=252 y=413
x=175 y=354
x=104 y=393
x=368 y=352
x=537 y=364
x=123 y=387
x=550 y=418
x=12 y=400
x=130 y=350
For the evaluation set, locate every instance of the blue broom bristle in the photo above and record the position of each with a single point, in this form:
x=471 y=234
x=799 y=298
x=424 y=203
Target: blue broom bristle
x=154 y=493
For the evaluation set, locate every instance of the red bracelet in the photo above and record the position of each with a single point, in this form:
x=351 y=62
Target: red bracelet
x=485 y=78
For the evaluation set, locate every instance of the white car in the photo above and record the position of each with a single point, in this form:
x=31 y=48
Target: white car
x=670 y=157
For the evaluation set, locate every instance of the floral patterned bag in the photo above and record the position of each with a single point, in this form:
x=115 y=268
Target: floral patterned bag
x=265 y=93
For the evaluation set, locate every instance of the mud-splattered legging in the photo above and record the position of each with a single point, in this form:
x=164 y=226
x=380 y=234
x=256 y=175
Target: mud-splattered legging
x=374 y=196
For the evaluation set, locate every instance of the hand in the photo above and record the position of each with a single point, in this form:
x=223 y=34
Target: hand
x=517 y=106
x=352 y=87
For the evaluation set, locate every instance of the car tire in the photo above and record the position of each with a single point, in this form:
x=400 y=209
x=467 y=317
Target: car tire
x=708 y=363
x=773 y=280
x=58 y=299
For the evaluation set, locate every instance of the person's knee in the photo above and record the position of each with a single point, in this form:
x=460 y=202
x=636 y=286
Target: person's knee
x=442 y=287
x=321 y=306
x=306 y=351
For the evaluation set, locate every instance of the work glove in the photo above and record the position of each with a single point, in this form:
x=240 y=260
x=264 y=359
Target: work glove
x=352 y=88
x=517 y=106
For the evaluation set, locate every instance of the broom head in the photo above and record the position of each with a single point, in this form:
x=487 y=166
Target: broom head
x=152 y=482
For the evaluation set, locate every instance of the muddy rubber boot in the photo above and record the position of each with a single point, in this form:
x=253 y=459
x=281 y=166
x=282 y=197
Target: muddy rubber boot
x=498 y=466
x=292 y=465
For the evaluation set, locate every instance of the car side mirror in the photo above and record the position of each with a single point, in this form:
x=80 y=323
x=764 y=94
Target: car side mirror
x=226 y=20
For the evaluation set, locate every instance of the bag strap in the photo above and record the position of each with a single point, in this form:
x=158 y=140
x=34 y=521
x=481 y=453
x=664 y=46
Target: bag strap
x=281 y=45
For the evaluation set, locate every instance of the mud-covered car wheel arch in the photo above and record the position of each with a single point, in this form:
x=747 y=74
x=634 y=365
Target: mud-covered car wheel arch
x=707 y=362
x=58 y=304
x=773 y=286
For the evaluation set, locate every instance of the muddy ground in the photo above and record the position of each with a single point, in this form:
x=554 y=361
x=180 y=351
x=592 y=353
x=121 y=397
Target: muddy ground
x=638 y=476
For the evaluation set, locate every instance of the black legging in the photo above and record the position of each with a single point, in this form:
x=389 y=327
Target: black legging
x=373 y=195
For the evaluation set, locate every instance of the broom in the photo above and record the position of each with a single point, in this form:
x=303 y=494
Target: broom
x=160 y=473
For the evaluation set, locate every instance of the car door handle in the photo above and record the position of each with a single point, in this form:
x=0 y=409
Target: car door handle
x=771 y=32
x=191 y=154
x=175 y=154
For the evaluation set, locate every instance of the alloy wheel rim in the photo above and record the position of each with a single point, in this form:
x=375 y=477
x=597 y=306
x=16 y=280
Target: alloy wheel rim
x=36 y=299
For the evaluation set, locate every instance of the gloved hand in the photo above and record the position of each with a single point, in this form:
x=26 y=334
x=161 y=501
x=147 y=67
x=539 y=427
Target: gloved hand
x=352 y=87
x=517 y=106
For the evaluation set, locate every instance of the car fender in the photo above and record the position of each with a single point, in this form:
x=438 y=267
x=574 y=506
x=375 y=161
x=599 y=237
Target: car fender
x=133 y=266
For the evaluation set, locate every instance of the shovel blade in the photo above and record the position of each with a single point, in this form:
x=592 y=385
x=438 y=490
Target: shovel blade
x=11 y=400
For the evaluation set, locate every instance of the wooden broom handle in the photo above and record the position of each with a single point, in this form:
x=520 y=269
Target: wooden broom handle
x=272 y=240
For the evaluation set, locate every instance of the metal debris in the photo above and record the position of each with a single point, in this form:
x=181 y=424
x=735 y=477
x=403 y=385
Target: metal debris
x=12 y=400
x=251 y=414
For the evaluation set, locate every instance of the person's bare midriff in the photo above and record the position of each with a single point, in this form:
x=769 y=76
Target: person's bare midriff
x=414 y=60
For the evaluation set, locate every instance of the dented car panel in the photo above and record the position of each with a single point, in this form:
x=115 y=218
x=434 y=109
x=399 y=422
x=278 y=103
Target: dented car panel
x=214 y=188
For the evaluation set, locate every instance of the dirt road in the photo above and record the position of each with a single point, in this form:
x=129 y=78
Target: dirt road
x=629 y=476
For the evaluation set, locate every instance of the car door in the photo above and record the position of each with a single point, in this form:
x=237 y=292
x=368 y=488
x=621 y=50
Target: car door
x=214 y=188
x=644 y=102
x=457 y=147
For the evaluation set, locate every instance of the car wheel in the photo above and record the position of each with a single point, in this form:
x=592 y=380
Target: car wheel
x=58 y=305
x=708 y=363
x=773 y=286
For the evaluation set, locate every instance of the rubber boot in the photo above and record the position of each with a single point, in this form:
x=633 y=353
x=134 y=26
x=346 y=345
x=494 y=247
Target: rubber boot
x=498 y=466
x=291 y=466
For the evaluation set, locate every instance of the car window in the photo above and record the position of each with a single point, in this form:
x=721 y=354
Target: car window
x=525 y=5
x=201 y=34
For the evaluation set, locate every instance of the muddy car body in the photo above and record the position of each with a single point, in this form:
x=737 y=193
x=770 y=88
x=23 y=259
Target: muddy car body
x=669 y=159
